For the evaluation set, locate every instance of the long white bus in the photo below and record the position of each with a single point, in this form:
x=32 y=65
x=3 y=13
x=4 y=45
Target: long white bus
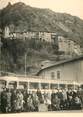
x=34 y=83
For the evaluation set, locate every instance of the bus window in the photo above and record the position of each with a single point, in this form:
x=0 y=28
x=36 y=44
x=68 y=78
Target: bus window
x=76 y=87
x=62 y=86
x=12 y=85
x=23 y=85
x=70 y=86
x=81 y=86
x=44 y=86
x=33 y=85
x=54 y=86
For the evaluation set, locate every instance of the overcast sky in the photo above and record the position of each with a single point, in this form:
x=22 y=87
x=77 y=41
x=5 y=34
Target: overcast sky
x=73 y=7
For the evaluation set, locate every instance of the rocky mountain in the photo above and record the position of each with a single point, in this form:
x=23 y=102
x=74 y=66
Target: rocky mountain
x=27 y=18
x=20 y=17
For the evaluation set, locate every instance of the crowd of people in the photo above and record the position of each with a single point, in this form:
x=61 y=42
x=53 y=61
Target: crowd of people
x=13 y=101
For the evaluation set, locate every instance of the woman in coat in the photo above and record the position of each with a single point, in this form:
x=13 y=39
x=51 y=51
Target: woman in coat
x=19 y=102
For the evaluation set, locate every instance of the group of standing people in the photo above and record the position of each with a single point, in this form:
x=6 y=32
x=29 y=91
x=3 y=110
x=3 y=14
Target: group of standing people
x=67 y=100
x=23 y=101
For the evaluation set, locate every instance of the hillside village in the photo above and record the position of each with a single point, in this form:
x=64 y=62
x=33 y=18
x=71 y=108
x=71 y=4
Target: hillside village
x=45 y=39
x=63 y=44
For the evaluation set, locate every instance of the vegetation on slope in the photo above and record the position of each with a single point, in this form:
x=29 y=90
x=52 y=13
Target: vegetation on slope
x=20 y=17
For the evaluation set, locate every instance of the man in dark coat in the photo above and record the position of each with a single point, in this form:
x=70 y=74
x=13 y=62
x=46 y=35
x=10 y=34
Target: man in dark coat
x=25 y=95
x=80 y=95
x=39 y=95
x=60 y=96
x=3 y=100
x=13 y=100
x=8 y=106
x=53 y=96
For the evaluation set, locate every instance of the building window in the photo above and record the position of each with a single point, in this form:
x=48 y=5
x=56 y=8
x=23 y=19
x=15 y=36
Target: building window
x=58 y=74
x=52 y=75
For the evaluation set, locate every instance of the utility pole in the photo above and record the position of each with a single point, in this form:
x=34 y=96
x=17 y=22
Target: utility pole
x=25 y=64
x=0 y=54
x=0 y=49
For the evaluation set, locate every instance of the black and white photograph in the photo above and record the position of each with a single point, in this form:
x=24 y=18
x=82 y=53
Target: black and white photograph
x=41 y=56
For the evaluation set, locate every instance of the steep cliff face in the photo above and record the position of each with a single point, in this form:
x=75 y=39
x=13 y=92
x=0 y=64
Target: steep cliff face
x=26 y=18
x=21 y=17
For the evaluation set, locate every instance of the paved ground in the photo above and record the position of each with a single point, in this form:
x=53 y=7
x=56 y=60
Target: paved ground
x=64 y=111
x=73 y=113
x=46 y=114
